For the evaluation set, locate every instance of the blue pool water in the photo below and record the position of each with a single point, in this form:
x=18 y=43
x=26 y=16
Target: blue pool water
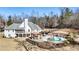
x=57 y=39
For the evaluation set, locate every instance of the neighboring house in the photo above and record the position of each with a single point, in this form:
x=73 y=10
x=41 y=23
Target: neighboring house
x=21 y=29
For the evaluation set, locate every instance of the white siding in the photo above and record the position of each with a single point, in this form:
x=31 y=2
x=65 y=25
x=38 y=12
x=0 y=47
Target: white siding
x=9 y=33
x=27 y=29
x=26 y=26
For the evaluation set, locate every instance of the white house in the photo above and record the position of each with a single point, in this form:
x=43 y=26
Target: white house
x=21 y=29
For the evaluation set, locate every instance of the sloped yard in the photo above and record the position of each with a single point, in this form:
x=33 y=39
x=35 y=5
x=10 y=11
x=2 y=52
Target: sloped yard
x=7 y=44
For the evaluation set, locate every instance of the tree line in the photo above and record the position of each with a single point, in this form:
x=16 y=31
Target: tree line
x=66 y=19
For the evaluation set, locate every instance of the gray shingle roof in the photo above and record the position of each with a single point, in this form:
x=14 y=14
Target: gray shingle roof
x=16 y=26
x=34 y=26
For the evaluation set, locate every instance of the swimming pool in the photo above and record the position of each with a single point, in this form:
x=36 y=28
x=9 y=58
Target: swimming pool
x=57 y=39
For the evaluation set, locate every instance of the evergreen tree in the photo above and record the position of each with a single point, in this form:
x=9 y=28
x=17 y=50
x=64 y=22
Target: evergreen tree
x=9 y=22
x=67 y=13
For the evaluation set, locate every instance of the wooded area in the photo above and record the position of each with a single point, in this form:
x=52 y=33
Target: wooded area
x=67 y=19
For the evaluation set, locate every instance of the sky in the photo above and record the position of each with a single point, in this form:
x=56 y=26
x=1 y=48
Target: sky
x=40 y=11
